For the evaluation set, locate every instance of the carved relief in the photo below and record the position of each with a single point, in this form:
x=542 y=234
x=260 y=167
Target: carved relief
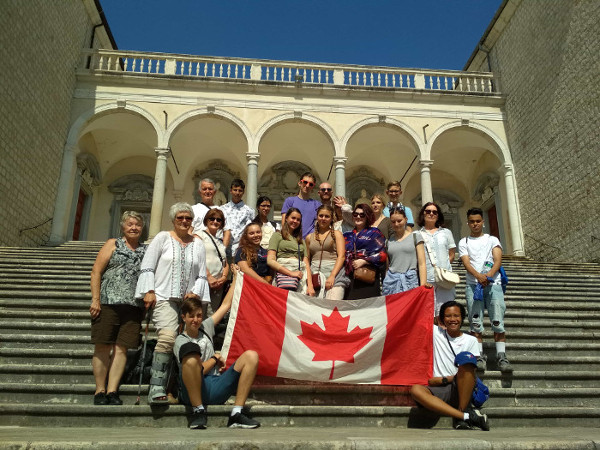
x=362 y=184
x=281 y=181
x=131 y=193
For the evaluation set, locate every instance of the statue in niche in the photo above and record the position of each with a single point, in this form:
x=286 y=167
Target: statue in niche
x=219 y=198
x=445 y=208
x=363 y=198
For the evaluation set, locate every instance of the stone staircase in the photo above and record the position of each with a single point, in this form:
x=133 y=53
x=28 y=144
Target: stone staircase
x=552 y=322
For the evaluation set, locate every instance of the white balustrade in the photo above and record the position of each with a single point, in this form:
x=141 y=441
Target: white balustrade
x=286 y=72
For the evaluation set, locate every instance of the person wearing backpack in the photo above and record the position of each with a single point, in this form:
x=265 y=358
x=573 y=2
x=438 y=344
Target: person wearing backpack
x=450 y=391
x=481 y=255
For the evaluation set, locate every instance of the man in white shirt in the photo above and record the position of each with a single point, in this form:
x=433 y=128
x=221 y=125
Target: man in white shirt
x=206 y=189
x=449 y=391
x=237 y=216
x=481 y=255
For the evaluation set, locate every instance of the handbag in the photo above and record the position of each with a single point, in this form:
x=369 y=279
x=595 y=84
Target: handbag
x=366 y=274
x=316 y=277
x=444 y=278
x=286 y=281
x=227 y=283
x=481 y=392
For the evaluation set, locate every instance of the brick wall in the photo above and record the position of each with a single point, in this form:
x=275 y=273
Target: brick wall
x=40 y=46
x=548 y=63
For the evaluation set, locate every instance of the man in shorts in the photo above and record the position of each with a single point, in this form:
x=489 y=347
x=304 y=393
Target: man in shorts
x=203 y=380
x=481 y=255
x=449 y=391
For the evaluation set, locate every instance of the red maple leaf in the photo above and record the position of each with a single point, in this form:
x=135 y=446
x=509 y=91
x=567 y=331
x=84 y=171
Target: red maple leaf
x=334 y=343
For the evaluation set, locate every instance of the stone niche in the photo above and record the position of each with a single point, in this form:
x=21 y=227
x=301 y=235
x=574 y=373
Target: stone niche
x=362 y=184
x=281 y=181
x=131 y=193
x=221 y=174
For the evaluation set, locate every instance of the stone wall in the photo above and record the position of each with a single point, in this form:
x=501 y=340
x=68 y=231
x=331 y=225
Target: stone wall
x=548 y=65
x=40 y=47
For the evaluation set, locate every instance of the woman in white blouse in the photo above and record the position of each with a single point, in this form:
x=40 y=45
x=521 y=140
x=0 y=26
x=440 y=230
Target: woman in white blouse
x=173 y=269
x=217 y=268
x=439 y=247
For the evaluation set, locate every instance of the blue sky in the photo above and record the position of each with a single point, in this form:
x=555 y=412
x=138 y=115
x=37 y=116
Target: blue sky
x=434 y=34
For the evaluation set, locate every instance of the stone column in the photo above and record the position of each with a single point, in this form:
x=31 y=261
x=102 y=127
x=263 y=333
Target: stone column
x=513 y=211
x=252 y=181
x=340 y=175
x=158 y=194
x=64 y=197
x=426 y=190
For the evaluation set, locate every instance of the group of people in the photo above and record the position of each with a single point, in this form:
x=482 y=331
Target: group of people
x=327 y=248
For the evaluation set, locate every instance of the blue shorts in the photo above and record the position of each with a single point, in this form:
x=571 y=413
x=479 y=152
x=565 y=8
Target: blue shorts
x=216 y=389
x=493 y=301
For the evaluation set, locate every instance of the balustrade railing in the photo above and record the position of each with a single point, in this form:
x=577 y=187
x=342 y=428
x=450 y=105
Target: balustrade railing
x=165 y=64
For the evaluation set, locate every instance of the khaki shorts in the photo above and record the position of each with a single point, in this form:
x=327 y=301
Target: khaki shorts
x=118 y=324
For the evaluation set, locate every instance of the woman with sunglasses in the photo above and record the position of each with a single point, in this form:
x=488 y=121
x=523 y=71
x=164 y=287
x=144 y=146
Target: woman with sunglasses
x=268 y=227
x=217 y=268
x=381 y=221
x=405 y=251
x=250 y=256
x=174 y=268
x=287 y=255
x=326 y=254
x=439 y=242
x=365 y=254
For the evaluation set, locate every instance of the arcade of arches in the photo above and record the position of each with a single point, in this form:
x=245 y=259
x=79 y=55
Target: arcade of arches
x=119 y=156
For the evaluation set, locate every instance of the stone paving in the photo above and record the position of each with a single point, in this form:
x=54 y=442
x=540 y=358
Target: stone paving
x=297 y=438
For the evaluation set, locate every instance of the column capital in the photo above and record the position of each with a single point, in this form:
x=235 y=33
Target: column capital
x=340 y=161
x=507 y=168
x=425 y=163
x=162 y=152
x=252 y=157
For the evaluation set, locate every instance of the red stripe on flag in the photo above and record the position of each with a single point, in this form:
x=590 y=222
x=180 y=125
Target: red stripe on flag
x=260 y=325
x=408 y=350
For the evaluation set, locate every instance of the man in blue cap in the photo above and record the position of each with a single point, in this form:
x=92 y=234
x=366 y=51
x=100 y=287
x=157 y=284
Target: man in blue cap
x=450 y=390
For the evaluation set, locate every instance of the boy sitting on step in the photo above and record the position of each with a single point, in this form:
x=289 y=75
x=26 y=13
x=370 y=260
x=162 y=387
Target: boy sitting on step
x=203 y=378
x=449 y=391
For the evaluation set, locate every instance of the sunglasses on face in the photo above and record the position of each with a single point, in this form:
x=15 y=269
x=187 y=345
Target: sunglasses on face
x=433 y=212
x=215 y=219
x=182 y=218
x=307 y=183
x=357 y=214
x=326 y=189
x=265 y=206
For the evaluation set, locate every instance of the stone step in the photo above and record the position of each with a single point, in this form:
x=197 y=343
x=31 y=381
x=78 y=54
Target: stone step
x=330 y=394
x=27 y=414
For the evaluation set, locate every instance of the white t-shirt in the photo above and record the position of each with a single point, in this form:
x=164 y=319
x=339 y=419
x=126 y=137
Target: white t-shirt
x=479 y=250
x=443 y=358
x=200 y=210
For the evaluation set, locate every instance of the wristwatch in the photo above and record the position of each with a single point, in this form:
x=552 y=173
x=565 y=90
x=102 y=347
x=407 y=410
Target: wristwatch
x=445 y=381
x=215 y=358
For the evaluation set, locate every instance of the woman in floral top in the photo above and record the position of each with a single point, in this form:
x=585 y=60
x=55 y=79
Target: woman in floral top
x=365 y=247
x=116 y=314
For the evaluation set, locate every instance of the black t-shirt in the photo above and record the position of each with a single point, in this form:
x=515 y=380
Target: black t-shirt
x=260 y=267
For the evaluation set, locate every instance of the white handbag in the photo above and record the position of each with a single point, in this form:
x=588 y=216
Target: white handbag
x=444 y=278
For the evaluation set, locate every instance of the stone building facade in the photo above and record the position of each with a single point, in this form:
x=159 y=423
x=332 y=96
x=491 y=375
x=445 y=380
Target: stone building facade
x=545 y=56
x=40 y=47
x=514 y=133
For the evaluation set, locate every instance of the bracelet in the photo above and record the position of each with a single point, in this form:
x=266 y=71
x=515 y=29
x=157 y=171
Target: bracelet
x=215 y=358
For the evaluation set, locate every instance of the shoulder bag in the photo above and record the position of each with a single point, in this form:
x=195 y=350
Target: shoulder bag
x=480 y=391
x=444 y=278
x=316 y=277
x=366 y=274
x=286 y=281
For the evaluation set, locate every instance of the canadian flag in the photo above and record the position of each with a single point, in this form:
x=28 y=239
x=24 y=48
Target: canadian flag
x=379 y=340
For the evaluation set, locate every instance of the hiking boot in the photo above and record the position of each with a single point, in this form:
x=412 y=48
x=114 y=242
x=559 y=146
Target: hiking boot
x=113 y=399
x=239 y=420
x=481 y=363
x=460 y=425
x=503 y=364
x=477 y=419
x=197 y=420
